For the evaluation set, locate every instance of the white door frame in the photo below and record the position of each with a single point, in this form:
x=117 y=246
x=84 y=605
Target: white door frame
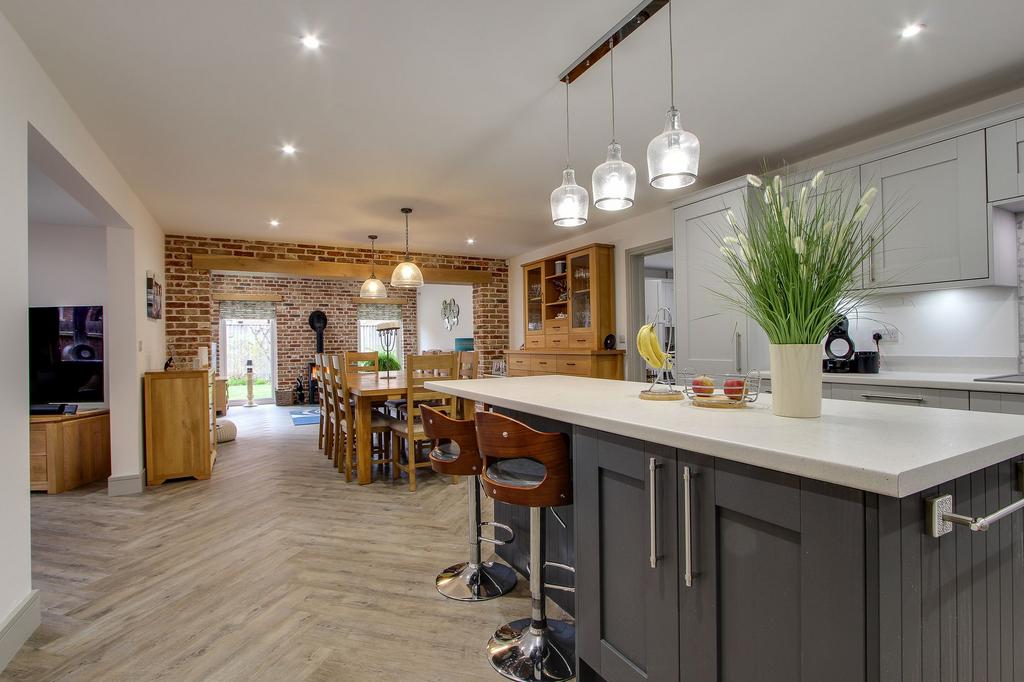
x=635 y=296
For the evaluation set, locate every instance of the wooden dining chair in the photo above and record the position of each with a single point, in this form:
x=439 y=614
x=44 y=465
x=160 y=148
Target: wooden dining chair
x=361 y=362
x=420 y=369
x=469 y=364
x=318 y=360
x=379 y=426
x=333 y=430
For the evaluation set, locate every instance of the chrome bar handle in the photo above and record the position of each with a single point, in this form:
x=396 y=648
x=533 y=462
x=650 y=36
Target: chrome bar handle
x=903 y=398
x=871 y=258
x=687 y=528
x=739 y=352
x=940 y=516
x=652 y=466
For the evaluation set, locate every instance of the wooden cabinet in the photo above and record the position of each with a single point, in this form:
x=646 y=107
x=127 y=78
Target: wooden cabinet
x=627 y=620
x=68 y=451
x=601 y=364
x=1004 y=146
x=939 y=191
x=569 y=299
x=220 y=396
x=711 y=336
x=180 y=425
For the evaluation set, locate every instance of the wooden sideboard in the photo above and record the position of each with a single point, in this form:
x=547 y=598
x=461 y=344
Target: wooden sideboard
x=220 y=396
x=68 y=450
x=568 y=310
x=181 y=434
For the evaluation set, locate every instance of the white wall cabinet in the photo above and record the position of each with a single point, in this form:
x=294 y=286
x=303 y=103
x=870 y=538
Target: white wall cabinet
x=710 y=335
x=1004 y=151
x=939 y=192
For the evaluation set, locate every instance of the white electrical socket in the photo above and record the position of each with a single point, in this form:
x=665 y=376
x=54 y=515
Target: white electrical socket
x=889 y=334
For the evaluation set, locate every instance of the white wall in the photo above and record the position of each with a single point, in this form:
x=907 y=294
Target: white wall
x=30 y=99
x=642 y=229
x=432 y=332
x=67 y=265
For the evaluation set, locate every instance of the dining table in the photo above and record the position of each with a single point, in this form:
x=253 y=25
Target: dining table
x=369 y=389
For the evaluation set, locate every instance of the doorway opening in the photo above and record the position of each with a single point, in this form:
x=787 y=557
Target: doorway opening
x=249 y=342
x=650 y=277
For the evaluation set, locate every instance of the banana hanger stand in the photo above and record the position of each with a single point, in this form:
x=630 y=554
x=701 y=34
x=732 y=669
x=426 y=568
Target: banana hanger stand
x=663 y=387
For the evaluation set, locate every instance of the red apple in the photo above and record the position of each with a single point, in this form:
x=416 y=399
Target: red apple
x=735 y=388
x=703 y=385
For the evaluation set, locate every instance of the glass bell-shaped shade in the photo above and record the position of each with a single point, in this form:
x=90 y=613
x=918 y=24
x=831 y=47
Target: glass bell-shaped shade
x=570 y=202
x=672 y=157
x=373 y=288
x=407 y=276
x=614 y=181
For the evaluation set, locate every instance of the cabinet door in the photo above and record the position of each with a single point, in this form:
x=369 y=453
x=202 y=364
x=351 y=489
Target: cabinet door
x=1004 y=156
x=1005 y=403
x=777 y=591
x=533 y=289
x=626 y=610
x=710 y=335
x=939 y=191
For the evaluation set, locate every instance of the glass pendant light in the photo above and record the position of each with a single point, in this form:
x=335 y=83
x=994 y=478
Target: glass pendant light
x=569 y=202
x=407 y=275
x=373 y=287
x=614 y=181
x=673 y=156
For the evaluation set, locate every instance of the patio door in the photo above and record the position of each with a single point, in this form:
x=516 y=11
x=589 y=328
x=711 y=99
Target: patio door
x=247 y=337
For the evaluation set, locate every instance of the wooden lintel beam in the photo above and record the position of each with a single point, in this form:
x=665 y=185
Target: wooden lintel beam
x=322 y=270
x=380 y=301
x=247 y=297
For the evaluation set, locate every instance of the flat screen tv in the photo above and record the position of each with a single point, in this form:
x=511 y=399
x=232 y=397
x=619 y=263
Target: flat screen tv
x=65 y=356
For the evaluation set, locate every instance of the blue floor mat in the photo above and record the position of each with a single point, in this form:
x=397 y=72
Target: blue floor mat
x=305 y=416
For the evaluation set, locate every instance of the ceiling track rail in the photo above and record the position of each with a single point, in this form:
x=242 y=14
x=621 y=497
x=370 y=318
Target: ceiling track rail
x=631 y=22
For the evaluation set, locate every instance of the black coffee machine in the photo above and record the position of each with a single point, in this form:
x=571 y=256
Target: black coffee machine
x=843 y=357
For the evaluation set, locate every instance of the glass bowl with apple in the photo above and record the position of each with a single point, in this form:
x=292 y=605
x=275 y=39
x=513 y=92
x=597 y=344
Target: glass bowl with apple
x=710 y=389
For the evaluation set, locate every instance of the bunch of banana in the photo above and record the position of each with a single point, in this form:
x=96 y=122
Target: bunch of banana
x=649 y=347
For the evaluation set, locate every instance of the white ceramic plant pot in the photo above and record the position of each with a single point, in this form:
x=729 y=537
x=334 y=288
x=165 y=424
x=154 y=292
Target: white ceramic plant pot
x=796 y=379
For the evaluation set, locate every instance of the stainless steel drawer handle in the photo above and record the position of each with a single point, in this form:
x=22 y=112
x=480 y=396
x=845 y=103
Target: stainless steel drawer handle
x=940 y=517
x=871 y=258
x=904 y=398
x=652 y=466
x=739 y=352
x=687 y=527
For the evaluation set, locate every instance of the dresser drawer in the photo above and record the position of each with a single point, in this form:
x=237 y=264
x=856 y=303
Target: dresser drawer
x=581 y=340
x=902 y=395
x=519 y=372
x=37 y=469
x=558 y=340
x=556 y=326
x=574 y=364
x=543 y=364
x=37 y=439
x=535 y=342
x=518 y=362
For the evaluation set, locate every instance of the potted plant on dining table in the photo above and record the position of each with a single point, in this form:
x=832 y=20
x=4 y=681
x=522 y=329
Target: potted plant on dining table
x=793 y=265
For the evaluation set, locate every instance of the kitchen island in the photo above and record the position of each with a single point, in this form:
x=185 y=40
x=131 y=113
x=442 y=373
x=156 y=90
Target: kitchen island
x=734 y=545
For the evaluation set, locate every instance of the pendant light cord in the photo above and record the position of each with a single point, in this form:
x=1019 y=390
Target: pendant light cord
x=373 y=261
x=611 y=62
x=567 y=162
x=671 y=61
x=406 y=237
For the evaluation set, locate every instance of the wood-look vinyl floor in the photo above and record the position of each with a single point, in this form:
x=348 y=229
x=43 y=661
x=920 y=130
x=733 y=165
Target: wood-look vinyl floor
x=275 y=569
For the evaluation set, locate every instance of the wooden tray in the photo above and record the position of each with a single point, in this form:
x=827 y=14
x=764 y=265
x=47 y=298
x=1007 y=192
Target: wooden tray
x=719 y=401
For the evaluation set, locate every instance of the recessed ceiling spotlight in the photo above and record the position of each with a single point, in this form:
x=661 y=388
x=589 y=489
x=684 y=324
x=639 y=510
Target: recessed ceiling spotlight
x=288 y=149
x=470 y=241
x=911 y=30
x=310 y=42
x=274 y=222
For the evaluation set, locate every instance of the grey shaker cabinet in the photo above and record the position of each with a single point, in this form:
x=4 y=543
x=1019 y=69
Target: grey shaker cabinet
x=626 y=611
x=1005 y=156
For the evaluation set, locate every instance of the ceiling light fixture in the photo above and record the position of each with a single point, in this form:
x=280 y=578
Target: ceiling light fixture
x=288 y=149
x=911 y=30
x=470 y=241
x=373 y=287
x=569 y=202
x=310 y=42
x=614 y=181
x=274 y=222
x=407 y=275
x=672 y=156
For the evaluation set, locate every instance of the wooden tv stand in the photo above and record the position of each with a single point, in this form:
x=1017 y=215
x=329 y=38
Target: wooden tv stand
x=68 y=450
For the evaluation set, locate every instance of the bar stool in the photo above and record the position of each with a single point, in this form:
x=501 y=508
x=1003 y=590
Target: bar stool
x=529 y=468
x=455 y=453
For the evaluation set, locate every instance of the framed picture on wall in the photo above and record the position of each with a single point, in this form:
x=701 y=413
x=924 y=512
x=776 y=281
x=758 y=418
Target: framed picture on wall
x=154 y=297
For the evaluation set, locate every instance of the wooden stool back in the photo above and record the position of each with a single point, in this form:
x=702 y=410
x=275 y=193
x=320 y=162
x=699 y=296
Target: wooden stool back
x=500 y=437
x=439 y=428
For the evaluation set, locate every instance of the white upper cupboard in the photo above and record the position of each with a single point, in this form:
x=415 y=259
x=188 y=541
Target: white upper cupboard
x=937 y=194
x=711 y=336
x=1005 y=154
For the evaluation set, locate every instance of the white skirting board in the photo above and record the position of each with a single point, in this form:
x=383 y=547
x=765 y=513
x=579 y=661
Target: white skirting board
x=132 y=484
x=19 y=626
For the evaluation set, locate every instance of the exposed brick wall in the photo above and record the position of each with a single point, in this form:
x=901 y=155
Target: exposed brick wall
x=193 y=317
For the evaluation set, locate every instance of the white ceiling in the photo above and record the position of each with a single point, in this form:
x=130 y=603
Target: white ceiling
x=50 y=204
x=453 y=107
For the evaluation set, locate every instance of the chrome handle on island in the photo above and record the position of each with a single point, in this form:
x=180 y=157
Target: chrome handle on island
x=687 y=528
x=940 y=516
x=652 y=466
x=902 y=398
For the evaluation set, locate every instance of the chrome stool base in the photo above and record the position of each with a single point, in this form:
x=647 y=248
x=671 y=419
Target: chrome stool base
x=519 y=652
x=479 y=582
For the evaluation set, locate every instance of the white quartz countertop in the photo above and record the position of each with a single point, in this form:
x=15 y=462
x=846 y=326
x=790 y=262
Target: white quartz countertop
x=892 y=450
x=942 y=380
